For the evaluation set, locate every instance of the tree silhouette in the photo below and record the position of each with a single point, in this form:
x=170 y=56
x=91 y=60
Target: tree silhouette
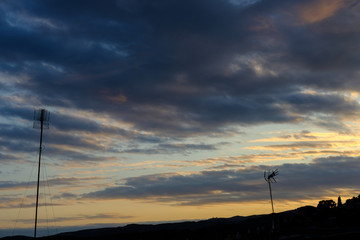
x=353 y=202
x=326 y=204
x=339 y=202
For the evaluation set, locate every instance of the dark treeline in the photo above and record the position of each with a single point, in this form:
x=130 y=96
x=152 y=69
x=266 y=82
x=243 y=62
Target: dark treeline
x=329 y=220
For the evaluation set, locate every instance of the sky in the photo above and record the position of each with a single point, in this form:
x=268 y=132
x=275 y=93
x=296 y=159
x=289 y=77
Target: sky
x=170 y=110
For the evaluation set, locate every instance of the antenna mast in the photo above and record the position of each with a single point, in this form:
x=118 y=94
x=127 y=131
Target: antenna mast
x=270 y=178
x=41 y=120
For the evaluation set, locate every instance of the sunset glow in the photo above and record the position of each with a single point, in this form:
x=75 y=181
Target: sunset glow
x=172 y=110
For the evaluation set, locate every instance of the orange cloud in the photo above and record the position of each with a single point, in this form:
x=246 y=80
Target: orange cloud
x=316 y=11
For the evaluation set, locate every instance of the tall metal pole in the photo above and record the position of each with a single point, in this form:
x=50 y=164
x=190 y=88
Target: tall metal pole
x=269 y=178
x=38 y=179
x=272 y=204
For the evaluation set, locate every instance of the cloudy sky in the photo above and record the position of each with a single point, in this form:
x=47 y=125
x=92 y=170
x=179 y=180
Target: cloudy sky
x=167 y=110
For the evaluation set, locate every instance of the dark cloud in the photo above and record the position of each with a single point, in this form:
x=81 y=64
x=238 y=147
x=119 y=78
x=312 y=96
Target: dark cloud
x=169 y=148
x=6 y=185
x=82 y=124
x=322 y=103
x=295 y=182
x=181 y=67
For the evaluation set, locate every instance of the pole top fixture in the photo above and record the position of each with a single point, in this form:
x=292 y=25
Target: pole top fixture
x=41 y=116
x=269 y=176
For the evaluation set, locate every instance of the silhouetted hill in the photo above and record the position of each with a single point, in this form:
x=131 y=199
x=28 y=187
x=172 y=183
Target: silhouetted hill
x=327 y=221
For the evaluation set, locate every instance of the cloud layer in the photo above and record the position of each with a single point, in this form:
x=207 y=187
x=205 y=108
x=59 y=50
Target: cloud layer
x=179 y=67
x=323 y=177
x=181 y=102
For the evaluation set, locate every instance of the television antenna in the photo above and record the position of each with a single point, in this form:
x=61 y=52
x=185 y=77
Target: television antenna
x=269 y=177
x=41 y=121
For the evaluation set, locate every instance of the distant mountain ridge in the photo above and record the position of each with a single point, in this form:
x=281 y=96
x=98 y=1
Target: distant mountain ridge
x=326 y=221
